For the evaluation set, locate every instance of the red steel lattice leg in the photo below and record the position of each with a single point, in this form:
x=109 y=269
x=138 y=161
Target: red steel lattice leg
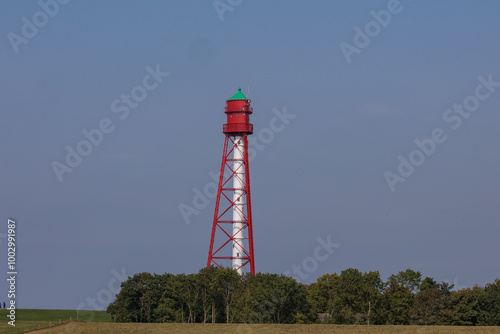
x=239 y=201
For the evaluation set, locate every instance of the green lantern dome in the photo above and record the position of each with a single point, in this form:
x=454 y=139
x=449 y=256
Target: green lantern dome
x=238 y=96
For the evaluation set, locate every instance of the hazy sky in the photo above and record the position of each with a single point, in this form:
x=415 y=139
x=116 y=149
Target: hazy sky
x=364 y=84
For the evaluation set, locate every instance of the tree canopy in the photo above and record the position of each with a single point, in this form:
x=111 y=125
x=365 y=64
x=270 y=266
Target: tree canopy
x=351 y=297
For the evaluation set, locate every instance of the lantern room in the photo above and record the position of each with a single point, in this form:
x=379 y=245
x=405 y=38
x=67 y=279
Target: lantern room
x=238 y=112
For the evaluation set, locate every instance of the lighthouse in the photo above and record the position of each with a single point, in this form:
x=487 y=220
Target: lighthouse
x=232 y=233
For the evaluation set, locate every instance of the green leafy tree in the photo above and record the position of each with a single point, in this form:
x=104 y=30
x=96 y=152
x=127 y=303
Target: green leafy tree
x=289 y=298
x=409 y=279
x=490 y=305
x=227 y=281
x=468 y=308
x=430 y=283
x=355 y=296
x=222 y=295
x=258 y=306
x=272 y=298
x=372 y=288
x=317 y=299
x=169 y=309
x=325 y=297
x=138 y=298
x=185 y=289
x=206 y=278
x=397 y=302
x=351 y=297
x=428 y=306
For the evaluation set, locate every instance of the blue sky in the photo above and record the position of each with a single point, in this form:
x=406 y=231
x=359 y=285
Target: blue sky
x=323 y=174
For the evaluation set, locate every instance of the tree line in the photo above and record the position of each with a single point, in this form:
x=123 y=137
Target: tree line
x=216 y=295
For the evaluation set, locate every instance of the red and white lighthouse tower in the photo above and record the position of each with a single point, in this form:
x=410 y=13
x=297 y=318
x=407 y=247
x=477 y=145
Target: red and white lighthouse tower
x=233 y=209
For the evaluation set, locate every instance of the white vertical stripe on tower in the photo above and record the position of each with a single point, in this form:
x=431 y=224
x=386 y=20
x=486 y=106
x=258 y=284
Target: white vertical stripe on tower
x=238 y=199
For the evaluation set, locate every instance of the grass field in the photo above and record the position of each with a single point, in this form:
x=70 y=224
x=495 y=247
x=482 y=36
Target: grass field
x=33 y=319
x=100 y=323
x=101 y=328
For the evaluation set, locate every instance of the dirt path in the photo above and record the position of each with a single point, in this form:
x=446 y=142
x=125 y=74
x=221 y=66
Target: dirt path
x=48 y=330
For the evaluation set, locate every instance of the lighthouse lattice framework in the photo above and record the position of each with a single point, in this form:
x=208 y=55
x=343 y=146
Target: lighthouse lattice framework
x=232 y=233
